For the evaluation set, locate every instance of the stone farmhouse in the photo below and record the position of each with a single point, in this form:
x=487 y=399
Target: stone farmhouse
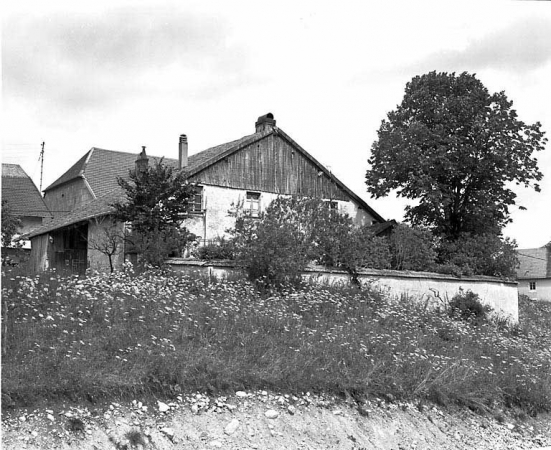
x=534 y=272
x=250 y=171
x=24 y=201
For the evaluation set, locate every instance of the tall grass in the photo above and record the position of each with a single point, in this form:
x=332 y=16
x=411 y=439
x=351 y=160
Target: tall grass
x=156 y=333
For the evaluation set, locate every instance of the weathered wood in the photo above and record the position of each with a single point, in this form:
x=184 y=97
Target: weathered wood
x=66 y=197
x=271 y=165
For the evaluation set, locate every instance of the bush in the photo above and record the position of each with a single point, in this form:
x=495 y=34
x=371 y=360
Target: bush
x=276 y=247
x=412 y=249
x=292 y=232
x=362 y=249
x=155 y=246
x=221 y=248
x=487 y=254
x=467 y=305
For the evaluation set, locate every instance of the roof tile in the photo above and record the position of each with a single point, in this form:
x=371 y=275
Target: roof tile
x=534 y=263
x=21 y=193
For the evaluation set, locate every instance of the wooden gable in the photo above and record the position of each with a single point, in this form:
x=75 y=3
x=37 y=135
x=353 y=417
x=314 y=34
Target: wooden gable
x=273 y=164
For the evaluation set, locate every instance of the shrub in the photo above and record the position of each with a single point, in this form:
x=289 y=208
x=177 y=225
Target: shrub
x=362 y=249
x=155 y=246
x=411 y=248
x=276 y=247
x=467 y=305
x=291 y=233
x=10 y=224
x=221 y=248
x=487 y=254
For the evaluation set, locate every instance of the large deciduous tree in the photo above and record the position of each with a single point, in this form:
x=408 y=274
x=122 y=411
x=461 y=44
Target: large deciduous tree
x=456 y=149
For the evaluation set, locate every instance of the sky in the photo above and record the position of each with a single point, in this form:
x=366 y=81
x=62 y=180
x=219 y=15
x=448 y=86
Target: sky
x=123 y=74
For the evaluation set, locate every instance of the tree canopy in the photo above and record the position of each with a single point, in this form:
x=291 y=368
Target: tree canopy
x=10 y=224
x=157 y=198
x=455 y=148
x=157 y=203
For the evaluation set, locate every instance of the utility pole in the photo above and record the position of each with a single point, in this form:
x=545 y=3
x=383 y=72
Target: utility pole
x=41 y=165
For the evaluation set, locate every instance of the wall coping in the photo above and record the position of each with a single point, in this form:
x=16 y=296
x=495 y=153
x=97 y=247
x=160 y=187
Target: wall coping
x=312 y=268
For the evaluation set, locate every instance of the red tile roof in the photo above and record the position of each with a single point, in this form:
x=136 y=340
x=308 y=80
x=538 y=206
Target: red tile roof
x=534 y=263
x=21 y=193
x=101 y=167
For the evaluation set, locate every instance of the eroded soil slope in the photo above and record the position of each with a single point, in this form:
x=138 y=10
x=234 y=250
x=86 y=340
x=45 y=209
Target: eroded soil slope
x=267 y=421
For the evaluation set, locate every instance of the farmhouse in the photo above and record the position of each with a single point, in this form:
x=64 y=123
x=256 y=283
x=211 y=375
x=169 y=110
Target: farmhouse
x=534 y=272
x=250 y=172
x=24 y=202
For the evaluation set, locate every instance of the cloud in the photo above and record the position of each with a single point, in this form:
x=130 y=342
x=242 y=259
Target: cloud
x=80 y=61
x=522 y=47
x=519 y=49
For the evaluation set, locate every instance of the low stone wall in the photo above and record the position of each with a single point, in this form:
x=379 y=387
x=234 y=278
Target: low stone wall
x=429 y=288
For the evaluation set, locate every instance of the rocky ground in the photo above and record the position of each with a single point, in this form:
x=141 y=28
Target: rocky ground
x=263 y=420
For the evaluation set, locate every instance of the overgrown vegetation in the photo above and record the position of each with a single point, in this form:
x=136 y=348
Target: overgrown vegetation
x=468 y=306
x=293 y=232
x=124 y=334
x=10 y=224
x=156 y=204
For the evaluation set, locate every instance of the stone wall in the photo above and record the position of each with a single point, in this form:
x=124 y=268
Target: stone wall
x=429 y=288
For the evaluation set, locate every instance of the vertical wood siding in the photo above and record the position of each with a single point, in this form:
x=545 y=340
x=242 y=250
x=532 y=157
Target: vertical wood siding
x=38 y=261
x=67 y=197
x=271 y=165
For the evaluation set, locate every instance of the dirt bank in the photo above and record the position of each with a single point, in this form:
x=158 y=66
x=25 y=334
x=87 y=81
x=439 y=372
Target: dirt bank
x=267 y=421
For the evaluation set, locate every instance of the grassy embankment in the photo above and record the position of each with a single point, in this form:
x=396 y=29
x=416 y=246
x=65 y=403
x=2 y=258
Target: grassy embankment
x=126 y=335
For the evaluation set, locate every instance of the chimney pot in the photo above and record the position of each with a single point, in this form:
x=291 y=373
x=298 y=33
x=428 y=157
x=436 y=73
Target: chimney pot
x=265 y=123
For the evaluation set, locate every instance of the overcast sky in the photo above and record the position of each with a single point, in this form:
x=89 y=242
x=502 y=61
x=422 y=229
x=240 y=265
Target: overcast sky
x=120 y=74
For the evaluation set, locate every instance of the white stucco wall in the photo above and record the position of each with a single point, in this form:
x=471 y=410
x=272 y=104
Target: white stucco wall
x=428 y=288
x=542 y=291
x=96 y=259
x=434 y=289
x=218 y=201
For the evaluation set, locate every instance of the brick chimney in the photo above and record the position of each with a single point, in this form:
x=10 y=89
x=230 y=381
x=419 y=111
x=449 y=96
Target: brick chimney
x=182 y=152
x=265 y=123
x=142 y=162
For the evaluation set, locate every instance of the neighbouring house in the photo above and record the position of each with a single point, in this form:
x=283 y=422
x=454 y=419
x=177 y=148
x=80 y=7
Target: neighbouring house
x=248 y=172
x=534 y=272
x=25 y=203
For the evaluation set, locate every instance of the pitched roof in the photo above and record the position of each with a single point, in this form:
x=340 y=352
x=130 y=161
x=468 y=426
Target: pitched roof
x=534 y=263
x=21 y=193
x=98 y=207
x=101 y=167
x=381 y=228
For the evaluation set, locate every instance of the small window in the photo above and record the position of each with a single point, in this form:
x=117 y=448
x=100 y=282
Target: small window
x=196 y=201
x=252 y=204
x=532 y=285
x=332 y=205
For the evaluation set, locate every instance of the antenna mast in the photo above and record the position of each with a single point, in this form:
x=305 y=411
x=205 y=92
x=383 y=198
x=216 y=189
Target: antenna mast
x=41 y=165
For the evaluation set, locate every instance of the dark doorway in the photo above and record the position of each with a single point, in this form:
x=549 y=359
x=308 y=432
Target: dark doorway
x=69 y=248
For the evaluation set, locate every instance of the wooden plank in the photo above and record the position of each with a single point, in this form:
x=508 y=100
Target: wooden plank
x=271 y=165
